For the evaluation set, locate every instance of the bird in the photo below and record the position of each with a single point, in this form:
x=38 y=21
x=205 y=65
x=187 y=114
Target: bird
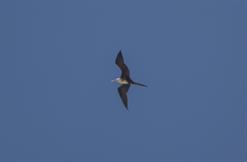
x=124 y=80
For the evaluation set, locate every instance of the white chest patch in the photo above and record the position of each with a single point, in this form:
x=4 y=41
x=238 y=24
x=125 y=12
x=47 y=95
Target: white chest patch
x=121 y=81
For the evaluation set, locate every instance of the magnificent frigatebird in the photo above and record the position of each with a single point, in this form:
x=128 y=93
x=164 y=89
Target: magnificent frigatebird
x=125 y=81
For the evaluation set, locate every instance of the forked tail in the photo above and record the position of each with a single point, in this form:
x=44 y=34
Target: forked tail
x=139 y=84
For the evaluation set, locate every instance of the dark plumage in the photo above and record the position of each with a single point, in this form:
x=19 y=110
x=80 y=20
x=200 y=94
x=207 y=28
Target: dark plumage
x=122 y=90
x=124 y=79
x=124 y=69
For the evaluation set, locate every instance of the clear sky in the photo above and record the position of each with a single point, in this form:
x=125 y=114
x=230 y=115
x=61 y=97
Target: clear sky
x=57 y=102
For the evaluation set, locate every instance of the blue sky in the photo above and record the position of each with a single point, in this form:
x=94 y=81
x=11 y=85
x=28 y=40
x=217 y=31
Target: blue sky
x=57 y=61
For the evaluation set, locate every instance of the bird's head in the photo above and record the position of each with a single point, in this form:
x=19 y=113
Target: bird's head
x=115 y=80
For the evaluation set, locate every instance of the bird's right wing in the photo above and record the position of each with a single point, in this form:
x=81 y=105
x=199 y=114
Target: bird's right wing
x=120 y=63
x=122 y=90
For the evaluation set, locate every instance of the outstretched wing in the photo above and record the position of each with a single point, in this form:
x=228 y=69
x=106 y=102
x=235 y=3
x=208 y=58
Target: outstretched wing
x=120 y=63
x=122 y=90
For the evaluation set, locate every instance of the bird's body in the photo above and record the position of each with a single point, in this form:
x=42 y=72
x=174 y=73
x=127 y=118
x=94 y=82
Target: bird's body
x=124 y=80
x=121 y=81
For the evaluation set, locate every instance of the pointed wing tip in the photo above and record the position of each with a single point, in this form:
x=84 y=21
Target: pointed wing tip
x=125 y=105
x=120 y=53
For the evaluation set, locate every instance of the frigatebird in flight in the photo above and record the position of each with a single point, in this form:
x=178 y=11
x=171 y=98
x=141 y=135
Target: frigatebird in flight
x=125 y=81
